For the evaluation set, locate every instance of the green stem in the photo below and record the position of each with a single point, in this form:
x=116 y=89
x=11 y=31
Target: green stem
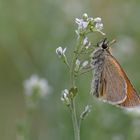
x=75 y=122
x=72 y=76
x=86 y=71
x=66 y=62
x=79 y=42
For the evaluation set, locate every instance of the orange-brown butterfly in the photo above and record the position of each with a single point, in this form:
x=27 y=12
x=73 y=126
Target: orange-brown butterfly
x=110 y=82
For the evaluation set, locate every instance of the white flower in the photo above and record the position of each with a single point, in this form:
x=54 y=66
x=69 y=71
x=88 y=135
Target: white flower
x=97 y=20
x=86 y=111
x=65 y=93
x=77 y=62
x=65 y=97
x=98 y=25
x=85 y=63
x=85 y=42
x=81 y=24
x=88 y=108
x=35 y=85
x=60 y=51
x=77 y=65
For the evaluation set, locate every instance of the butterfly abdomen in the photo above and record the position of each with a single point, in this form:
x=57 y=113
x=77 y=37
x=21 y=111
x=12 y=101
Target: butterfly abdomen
x=97 y=64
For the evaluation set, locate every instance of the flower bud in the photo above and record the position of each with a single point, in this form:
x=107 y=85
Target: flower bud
x=60 y=51
x=86 y=111
x=85 y=17
x=84 y=64
x=65 y=98
x=77 y=66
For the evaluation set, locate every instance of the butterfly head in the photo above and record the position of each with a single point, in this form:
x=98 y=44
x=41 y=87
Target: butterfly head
x=104 y=44
x=103 y=48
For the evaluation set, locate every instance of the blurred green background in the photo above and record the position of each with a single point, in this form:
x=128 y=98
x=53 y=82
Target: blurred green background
x=30 y=31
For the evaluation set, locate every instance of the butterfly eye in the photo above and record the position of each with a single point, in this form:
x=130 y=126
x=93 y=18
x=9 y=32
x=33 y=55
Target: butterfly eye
x=103 y=43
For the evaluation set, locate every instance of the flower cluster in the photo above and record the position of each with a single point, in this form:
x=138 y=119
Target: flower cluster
x=79 y=65
x=88 y=24
x=35 y=88
x=36 y=85
x=68 y=95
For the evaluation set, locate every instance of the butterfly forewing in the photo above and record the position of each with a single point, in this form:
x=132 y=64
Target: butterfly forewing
x=114 y=85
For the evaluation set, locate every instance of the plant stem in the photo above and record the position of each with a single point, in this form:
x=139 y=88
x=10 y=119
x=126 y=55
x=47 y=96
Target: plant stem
x=79 y=42
x=75 y=122
x=72 y=76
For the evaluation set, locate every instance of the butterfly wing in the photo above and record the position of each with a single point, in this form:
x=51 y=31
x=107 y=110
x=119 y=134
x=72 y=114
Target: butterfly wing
x=117 y=88
x=114 y=85
x=133 y=98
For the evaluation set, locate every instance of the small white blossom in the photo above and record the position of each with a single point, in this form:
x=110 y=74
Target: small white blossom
x=60 y=51
x=65 y=93
x=85 y=63
x=77 y=62
x=36 y=84
x=77 y=66
x=65 y=97
x=98 y=25
x=81 y=24
x=86 y=111
x=88 y=108
x=89 y=45
x=97 y=20
x=85 y=42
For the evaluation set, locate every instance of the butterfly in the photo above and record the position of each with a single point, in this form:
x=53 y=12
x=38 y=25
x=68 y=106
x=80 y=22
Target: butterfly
x=110 y=83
